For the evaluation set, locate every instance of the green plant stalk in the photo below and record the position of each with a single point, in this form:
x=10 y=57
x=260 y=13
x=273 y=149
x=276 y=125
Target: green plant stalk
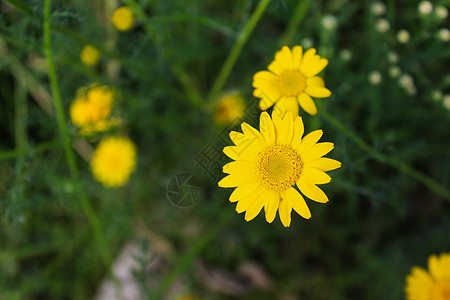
x=70 y=157
x=294 y=22
x=85 y=204
x=236 y=51
x=402 y=167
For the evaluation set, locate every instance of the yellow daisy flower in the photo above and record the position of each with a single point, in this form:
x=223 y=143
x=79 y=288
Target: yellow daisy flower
x=89 y=55
x=91 y=110
x=291 y=80
x=229 y=109
x=268 y=163
x=123 y=18
x=114 y=160
x=432 y=285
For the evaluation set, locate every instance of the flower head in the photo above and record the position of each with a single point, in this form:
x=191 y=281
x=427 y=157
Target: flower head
x=403 y=36
x=444 y=34
x=114 y=160
x=382 y=25
x=378 y=8
x=89 y=55
x=425 y=7
x=441 y=12
x=430 y=285
x=123 y=18
x=375 y=77
x=91 y=110
x=268 y=163
x=229 y=108
x=291 y=80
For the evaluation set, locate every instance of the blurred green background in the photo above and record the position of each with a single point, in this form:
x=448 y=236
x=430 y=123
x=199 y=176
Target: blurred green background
x=388 y=116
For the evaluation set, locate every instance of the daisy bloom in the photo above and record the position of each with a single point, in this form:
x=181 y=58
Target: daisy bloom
x=114 y=160
x=89 y=55
x=430 y=285
x=91 y=110
x=291 y=80
x=229 y=108
x=403 y=36
x=268 y=163
x=123 y=18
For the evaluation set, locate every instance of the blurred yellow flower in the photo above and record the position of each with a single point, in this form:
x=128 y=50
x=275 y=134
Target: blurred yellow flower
x=89 y=55
x=229 y=108
x=91 y=110
x=268 y=163
x=291 y=80
x=430 y=285
x=114 y=160
x=123 y=18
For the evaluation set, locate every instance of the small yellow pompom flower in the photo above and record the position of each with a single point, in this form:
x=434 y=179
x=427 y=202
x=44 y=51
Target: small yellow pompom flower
x=430 y=285
x=91 y=110
x=229 y=109
x=270 y=162
x=291 y=80
x=123 y=18
x=89 y=55
x=114 y=160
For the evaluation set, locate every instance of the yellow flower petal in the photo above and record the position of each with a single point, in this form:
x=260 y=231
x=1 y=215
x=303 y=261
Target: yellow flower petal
x=284 y=58
x=286 y=104
x=244 y=191
x=284 y=129
x=298 y=203
x=315 y=176
x=316 y=68
x=272 y=204
x=315 y=81
x=298 y=132
x=285 y=210
x=308 y=60
x=246 y=203
x=266 y=102
x=323 y=163
x=254 y=137
x=267 y=128
x=436 y=270
x=317 y=91
x=240 y=166
x=311 y=191
x=235 y=180
x=297 y=53
x=255 y=208
x=239 y=153
x=276 y=67
x=317 y=151
x=307 y=104
x=309 y=141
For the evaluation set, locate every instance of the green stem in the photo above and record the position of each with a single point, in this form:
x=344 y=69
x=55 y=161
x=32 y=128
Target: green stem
x=56 y=95
x=294 y=22
x=393 y=162
x=85 y=204
x=236 y=50
x=19 y=152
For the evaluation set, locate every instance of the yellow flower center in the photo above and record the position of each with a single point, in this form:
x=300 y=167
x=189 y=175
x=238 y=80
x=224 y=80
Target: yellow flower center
x=278 y=167
x=292 y=83
x=441 y=290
